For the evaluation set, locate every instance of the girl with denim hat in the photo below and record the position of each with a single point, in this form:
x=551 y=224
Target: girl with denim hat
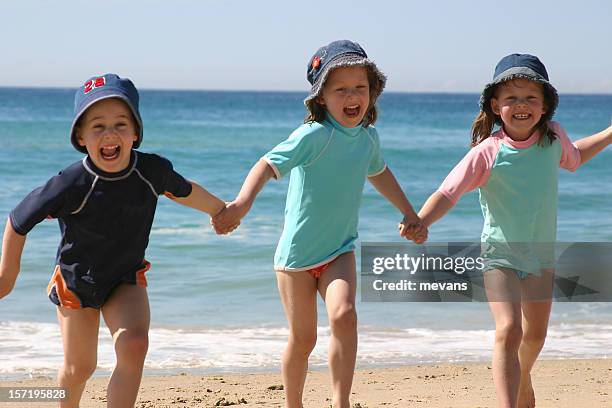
x=329 y=158
x=516 y=171
x=105 y=206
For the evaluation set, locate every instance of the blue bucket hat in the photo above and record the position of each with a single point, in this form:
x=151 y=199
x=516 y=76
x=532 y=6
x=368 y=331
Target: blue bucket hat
x=103 y=87
x=520 y=66
x=341 y=53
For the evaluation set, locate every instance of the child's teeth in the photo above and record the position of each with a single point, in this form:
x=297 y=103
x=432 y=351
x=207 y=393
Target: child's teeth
x=109 y=151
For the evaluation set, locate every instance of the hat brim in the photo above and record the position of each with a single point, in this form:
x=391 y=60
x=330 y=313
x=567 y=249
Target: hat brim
x=346 y=60
x=107 y=94
x=519 y=73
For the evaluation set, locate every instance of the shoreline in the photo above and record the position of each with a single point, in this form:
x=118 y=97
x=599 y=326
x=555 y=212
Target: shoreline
x=557 y=383
x=274 y=369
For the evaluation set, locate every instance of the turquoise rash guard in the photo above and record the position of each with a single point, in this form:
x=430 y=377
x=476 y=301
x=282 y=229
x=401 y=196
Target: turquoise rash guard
x=328 y=164
x=517 y=182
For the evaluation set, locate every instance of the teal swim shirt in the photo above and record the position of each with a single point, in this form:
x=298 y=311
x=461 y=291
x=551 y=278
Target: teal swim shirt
x=518 y=195
x=328 y=165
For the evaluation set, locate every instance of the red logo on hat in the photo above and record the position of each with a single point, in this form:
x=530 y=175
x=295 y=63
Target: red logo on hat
x=94 y=83
x=316 y=61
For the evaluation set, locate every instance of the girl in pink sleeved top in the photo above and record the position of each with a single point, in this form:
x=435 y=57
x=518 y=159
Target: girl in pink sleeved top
x=516 y=171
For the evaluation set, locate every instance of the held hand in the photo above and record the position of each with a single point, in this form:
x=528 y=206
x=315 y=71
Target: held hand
x=408 y=225
x=413 y=229
x=229 y=218
x=421 y=234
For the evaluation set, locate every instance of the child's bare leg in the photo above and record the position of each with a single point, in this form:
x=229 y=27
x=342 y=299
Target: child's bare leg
x=126 y=314
x=503 y=292
x=338 y=286
x=537 y=303
x=298 y=292
x=79 y=329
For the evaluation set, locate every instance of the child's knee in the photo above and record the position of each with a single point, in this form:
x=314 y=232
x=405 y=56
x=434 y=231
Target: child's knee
x=132 y=343
x=80 y=371
x=509 y=334
x=303 y=342
x=535 y=338
x=344 y=318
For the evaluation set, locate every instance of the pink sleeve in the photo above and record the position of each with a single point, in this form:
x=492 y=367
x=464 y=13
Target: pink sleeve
x=472 y=171
x=570 y=155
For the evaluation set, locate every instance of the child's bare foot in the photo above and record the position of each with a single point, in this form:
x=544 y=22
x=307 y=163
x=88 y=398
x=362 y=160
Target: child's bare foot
x=526 y=397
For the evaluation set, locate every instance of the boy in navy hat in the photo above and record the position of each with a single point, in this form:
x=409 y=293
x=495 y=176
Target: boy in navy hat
x=105 y=206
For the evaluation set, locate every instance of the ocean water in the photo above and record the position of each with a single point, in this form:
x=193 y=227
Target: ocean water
x=214 y=301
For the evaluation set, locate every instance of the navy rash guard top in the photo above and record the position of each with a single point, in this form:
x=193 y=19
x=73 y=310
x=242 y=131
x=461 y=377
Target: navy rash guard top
x=105 y=219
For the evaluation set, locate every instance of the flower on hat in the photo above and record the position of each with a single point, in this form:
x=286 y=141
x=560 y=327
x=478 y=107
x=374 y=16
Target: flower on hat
x=316 y=62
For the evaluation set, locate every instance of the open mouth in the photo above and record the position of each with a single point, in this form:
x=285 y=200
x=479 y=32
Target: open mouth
x=352 y=111
x=521 y=116
x=110 y=152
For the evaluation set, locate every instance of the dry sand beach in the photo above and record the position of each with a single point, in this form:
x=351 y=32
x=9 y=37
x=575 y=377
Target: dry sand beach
x=559 y=384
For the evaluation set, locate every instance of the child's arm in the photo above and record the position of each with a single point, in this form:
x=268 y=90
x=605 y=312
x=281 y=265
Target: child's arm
x=436 y=206
x=388 y=187
x=470 y=173
x=201 y=200
x=591 y=145
x=48 y=201
x=257 y=178
x=12 y=247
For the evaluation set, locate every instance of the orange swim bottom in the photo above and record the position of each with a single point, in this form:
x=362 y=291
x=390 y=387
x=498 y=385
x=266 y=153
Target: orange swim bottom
x=62 y=294
x=318 y=271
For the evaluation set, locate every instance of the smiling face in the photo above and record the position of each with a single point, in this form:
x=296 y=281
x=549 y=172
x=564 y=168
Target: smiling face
x=520 y=104
x=107 y=130
x=346 y=95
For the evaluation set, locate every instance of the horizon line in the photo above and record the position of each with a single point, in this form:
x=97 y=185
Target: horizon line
x=64 y=88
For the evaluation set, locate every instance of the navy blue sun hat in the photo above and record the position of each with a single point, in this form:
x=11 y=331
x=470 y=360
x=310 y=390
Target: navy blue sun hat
x=341 y=53
x=103 y=87
x=524 y=66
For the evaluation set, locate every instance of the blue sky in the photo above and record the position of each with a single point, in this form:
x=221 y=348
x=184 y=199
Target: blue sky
x=439 y=46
